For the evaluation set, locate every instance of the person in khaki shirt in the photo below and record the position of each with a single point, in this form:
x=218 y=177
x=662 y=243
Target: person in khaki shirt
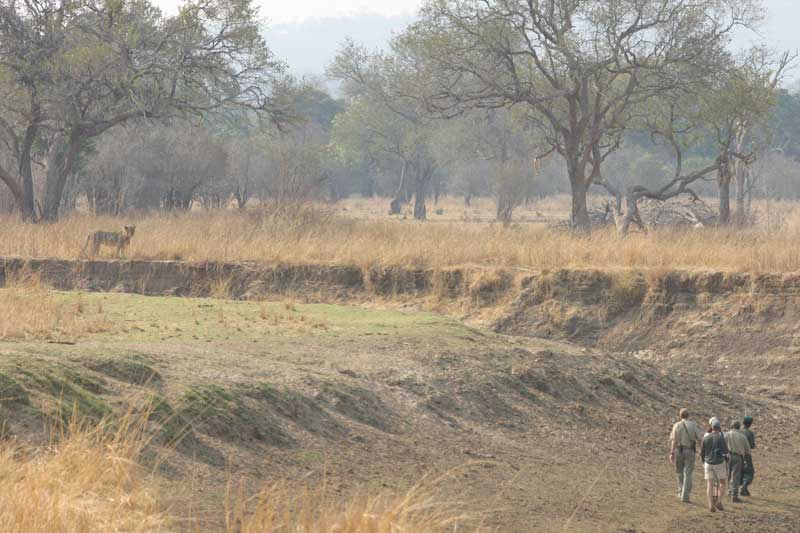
x=684 y=438
x=739 y=448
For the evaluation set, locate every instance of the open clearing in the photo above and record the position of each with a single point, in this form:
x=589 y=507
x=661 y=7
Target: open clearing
x=352 y=233
x=540 y=435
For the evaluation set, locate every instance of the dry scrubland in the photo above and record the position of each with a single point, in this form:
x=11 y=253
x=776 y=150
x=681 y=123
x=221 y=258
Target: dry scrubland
x=339 y=405
x=89 y=352
x=98 y=472
x=354 y=233
x=91 y=479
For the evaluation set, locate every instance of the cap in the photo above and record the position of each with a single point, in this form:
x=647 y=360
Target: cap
x=714 y=422
x=747 y=420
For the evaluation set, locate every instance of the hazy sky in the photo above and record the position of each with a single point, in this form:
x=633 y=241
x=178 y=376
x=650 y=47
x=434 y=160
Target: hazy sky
x=289 y=11
x=306 y=33
x=783 y=14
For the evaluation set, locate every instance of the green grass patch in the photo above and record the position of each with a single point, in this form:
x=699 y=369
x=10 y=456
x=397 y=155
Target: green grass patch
x=357 y=403
x=61 y=389
x=228 y=415
x=307 y=413
x=174 y=319
x=11 y=392
x=133 y=369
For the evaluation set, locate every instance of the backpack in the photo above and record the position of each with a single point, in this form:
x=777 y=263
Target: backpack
x=717 y=454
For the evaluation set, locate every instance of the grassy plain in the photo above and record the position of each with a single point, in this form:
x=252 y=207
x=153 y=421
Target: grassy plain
x=358 y=232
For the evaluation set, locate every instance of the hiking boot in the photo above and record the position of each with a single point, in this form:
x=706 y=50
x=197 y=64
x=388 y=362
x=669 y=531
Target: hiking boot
x=712 y=509
x=745 y=492
x=736 y=499
x=719 y=505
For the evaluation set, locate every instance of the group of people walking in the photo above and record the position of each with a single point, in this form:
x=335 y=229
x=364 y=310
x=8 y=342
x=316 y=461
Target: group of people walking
x=727 y=458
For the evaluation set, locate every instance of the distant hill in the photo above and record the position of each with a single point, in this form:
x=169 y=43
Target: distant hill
x=309 y=46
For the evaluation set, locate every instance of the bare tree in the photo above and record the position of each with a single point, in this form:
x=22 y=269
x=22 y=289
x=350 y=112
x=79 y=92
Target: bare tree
x=671 y=119
x=737 y=112
x=385 y=89
x=293 y=166
x=491 y=149
x=244 y=163
x=729 y=110
x=581 y=66
x=73 y=70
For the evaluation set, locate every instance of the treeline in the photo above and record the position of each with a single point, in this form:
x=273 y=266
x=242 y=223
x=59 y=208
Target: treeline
x=116 y=106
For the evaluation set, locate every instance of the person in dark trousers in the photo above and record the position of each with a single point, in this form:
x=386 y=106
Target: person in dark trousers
x=714 y=453
x=684 y=439
x=748 y=471
x=739 y=448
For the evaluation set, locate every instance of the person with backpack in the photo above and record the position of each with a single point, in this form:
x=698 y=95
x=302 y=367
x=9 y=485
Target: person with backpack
x=748 y=471
x=739 y=448
x=686 y=435
x=714 y=453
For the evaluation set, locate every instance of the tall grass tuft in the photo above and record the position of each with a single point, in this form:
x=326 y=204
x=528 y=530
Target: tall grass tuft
x=278 y=510
x=31 y=311
x=90 y=478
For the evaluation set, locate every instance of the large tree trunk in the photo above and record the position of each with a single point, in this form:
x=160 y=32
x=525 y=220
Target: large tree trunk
x=580 y=212
x=724 y=200
x=423 y=178
x=26 y=174
x=395 y=206
x=741 y=192
x=27 y=205
x=25 y=171
x=505 y=209
x=724 y=181
x=13 y=185
x=420 y=211
x=579 y=189
x=60 y=161
x=631 y=215
x=242 y=196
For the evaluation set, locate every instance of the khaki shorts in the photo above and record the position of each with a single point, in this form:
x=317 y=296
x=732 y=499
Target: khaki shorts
x=716 y=472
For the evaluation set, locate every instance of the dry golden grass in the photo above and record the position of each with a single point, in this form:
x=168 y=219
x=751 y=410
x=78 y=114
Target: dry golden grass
x=90 y=479
x=276 y=510
x=321 y=235
x=87 y=481
x=33 y=312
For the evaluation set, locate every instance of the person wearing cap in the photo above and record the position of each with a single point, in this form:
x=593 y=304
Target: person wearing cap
x=739 y=448
x=684 y=439
x=748 y=471
x=714 y=452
